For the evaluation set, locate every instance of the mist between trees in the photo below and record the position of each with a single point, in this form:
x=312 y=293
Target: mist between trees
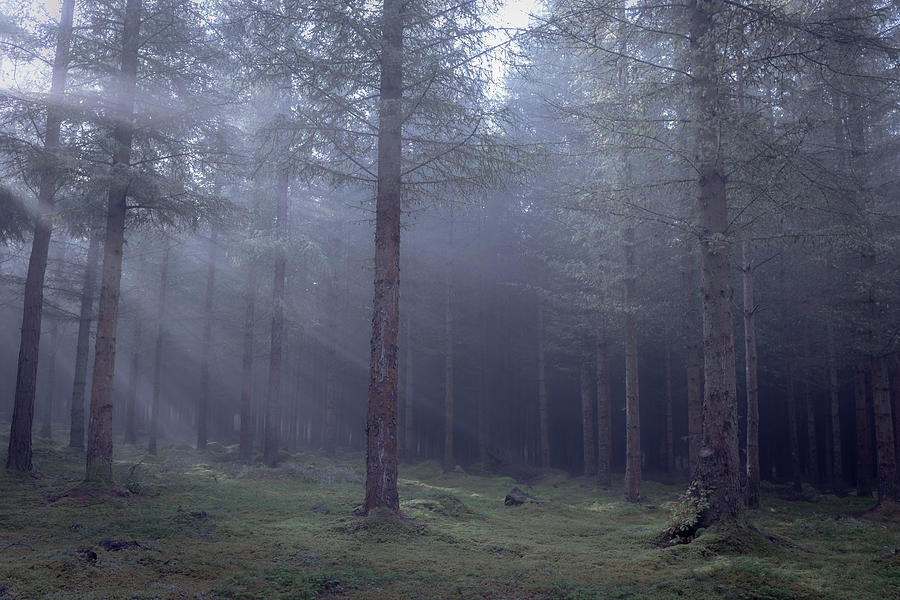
x=664 y=242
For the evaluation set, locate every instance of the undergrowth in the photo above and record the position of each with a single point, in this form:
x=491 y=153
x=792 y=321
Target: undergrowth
x=202 y=525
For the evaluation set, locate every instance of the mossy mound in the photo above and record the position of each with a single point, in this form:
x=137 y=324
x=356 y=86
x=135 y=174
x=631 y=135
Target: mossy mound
x=442 y=504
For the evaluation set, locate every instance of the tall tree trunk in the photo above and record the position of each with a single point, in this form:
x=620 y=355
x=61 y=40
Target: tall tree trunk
x=667 y=412
x=543 y=409
x=812 y=445
x=863 y=445
x=793 y=435
x=155 y=406
x=587 y=418
x=381 y=416
x=19 y=453
x=83 y=345
x=886 y=459
x=448 y=461
x=273 y=399
x=203 y=398
x=837 y=461
x=750 y=360
x=895 y=394
x=246 y=436
x=131 y=406
x=50 y=387
x=604 y=409
x=98 y=464
x=330 y=438
x=632 y=394
x=719 y=468
x=692 y=359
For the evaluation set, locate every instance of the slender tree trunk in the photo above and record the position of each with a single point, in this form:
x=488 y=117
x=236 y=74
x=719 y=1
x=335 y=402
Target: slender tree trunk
x=83 y=346
x=330 y=440
x=886 y=459
x=604 y=410
x=587 y=418
x=449 y=461
x=895 y=393
x=793 y=435
x=719 y=468
x=273 y=400
x=837 y=473
x=812 y=445
x=19 y=453
x=155 y=405
x=203 y=398
x=750 y=359
x=131 y=406
x=98 y=464
x=47 y=420
x=670 y=439
x=632 y=394
x=246 y=436
x=543 y=409
x=863 y=445
x=381 y=416
x=692 y=359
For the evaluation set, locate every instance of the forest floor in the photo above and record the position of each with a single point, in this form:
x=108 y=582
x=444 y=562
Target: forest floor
x=206 y=526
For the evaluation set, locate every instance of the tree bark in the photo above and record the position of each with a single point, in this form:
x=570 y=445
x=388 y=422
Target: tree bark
x=381 y=417
x=155 y=405
x=543 y=409
x=587 y=418
x=203 y=398
x=895 y=394
x=667 y=415
x=793 y=435
x=273 y=399
x=692 y=359
x=604 y=409
x=246 y=435
x=98 y=464
x=886 y=459
x=750 y=359
x=409 y=437
x=19 y=451
x=632 y=394
x=719 y=467
x=812 y=445
x=83 y=346
x=863 y=445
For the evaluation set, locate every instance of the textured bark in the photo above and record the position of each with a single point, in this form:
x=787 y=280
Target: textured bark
x=750 y=363
x=83 y=345
x=448 y=461
x=895 y=394
x=587 y=418
x=692 y=358
x=273 y=398
x=206 y=349
x=155 y=405
x=246 y=435
x=381 y=416
x=632 y=394
x=885 y=457
x=131 y=405
x=863 y=444
x=98 y=464
x=837 y=460
x=19 y=451
x=719 y=467
x=604 y=409
x=543 y=411
x=50 y=387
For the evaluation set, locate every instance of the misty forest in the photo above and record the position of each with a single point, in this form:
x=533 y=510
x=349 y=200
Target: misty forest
x=572 y=300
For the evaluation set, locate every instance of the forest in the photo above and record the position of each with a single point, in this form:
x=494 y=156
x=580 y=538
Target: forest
x=563 y=300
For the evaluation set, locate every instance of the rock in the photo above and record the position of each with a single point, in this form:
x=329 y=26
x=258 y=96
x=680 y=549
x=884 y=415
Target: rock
x=115 y=545
x=516 y=497
x=88 y=555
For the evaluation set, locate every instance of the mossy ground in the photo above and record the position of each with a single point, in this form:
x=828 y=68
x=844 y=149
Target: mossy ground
x=208 y=527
